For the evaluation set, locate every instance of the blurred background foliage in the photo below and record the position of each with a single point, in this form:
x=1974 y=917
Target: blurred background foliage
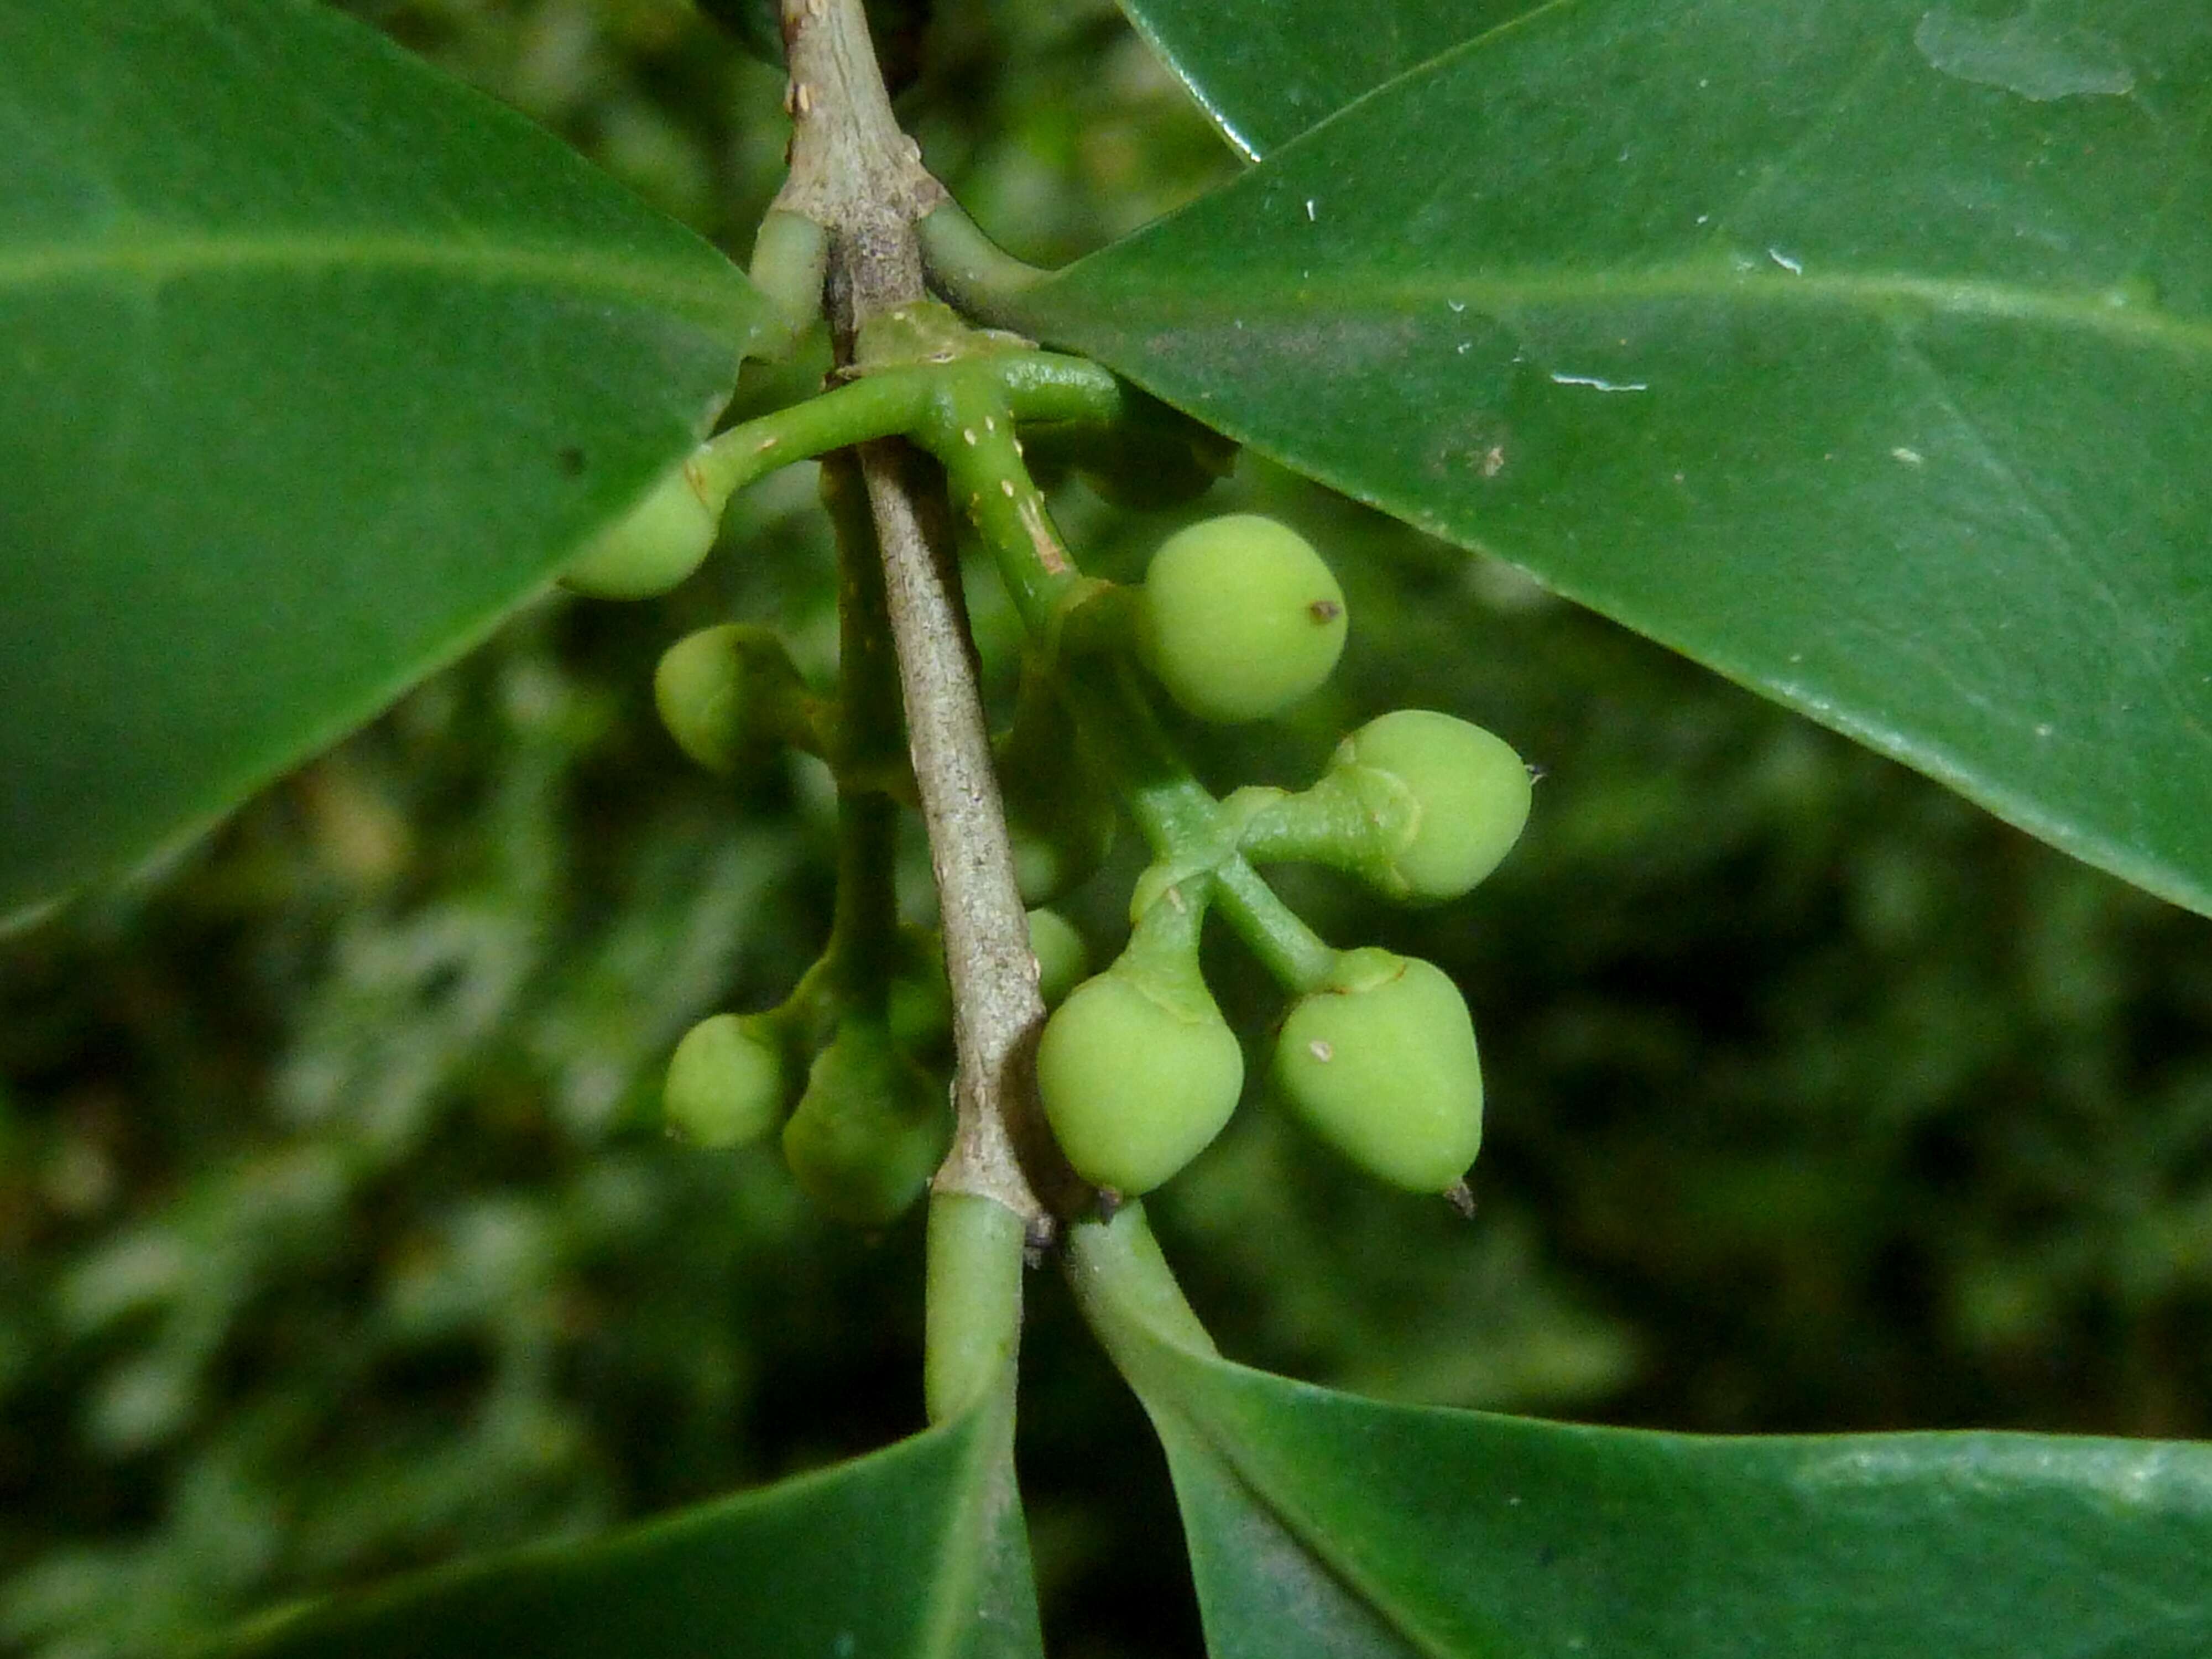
x=337 y=1236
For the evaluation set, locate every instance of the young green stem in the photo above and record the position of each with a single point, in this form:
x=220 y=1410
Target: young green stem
x=791 y=256
x=1121 y=1279
x=973 y=1305
x=970 y=427
x=855 y=173
x=967 y=267
x=863 y=936
x=876 y=406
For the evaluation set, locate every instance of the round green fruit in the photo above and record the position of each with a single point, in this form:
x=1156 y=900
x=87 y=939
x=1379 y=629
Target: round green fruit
x=724 y=1084
x=1137 y=1078
x=1381 y=1063
x=1462 y=796
x=1239 y=618
x=723 y=690
x=870 y=1129
x=651 y=548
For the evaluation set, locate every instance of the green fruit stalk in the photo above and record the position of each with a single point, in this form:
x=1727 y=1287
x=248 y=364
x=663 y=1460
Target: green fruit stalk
x=1381 y=1063
x=1239 y=619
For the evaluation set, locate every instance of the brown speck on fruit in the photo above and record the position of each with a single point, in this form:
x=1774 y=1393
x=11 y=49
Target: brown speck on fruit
x=1461 y=1199
x=1324 y=610
x=1109 y=1203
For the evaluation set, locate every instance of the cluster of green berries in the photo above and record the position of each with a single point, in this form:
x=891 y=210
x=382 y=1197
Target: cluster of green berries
x=1237 y=619
x=858 y=1096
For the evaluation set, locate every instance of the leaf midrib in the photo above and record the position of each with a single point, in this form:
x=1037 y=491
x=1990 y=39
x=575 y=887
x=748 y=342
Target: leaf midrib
x=164 y=257
x=1340 y=291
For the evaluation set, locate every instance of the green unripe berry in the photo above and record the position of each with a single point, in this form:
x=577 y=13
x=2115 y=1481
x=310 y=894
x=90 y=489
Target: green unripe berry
x=1137 y=1074
x=1451 y=799
x=1061 y=957
x=724 y=1084
x=1381 y=1063
x=723 y=690
x=1239 y=618
x=869 y=1130
x=651 y=548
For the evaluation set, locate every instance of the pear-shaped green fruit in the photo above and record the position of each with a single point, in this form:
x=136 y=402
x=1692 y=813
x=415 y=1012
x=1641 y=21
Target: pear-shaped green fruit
x=651 y=548
x=1138 y=1072
x=1449 y=798
x=870 y=1129
x=1239 y=618
x=725 y=1084
x=722 y=691
x=1381 y=1063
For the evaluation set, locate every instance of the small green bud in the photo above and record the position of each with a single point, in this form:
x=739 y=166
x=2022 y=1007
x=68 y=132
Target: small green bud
x=724 y=1084
x=1138 y=1072
x=651 y=548
x=1381 y=1063
x=723 y=690
x=1239 y=618
x=869 y=1130
x=1449 y=798
x=1062 y=958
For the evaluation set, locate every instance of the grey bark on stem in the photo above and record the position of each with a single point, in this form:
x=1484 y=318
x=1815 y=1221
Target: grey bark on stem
x=856 y=174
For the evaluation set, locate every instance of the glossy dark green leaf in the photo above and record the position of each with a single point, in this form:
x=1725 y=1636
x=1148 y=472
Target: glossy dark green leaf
x=1859 y=349
x=916 y=1552
x=1266 y=73
x=1323 y=1526
x=315 y=363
